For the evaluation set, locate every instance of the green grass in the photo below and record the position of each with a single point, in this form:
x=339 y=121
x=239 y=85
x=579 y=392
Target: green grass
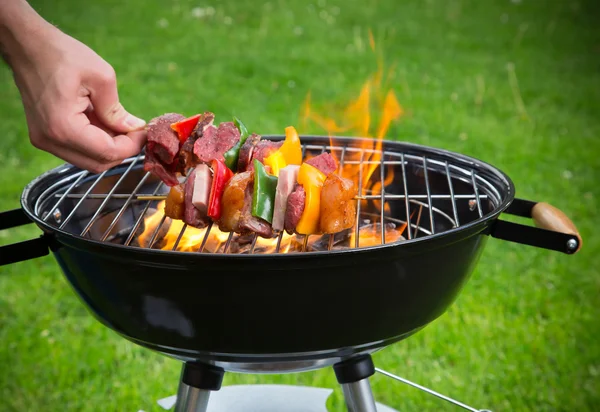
x=523 y=335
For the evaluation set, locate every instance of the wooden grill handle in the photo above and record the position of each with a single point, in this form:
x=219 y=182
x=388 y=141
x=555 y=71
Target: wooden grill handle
x=549 y=217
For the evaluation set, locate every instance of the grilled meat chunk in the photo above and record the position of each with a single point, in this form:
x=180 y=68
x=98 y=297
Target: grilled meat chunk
x=175 y=203
x=338 y=207
x=187 y=158
x=162 y=147
x=252 y=224
x=205 y=146
x=205 y=120
x=162 y=140
x=325 y=162
x=216 y=141
x=192 y=216
x=263 y=149
x=285 y=185
x=245 y=157
x=233 y=201
x=295 y=207
x=164 y=173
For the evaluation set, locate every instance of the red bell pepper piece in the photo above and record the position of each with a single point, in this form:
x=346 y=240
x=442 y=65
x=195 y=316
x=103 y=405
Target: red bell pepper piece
x=185 y=127
x=221 y=175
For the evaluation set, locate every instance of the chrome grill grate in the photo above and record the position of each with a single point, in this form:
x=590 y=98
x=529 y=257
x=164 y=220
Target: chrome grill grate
x=440 y=191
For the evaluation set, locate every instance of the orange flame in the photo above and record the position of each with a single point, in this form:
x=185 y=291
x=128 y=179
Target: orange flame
x=357 y=118
x=170 y=230
x=192 y=238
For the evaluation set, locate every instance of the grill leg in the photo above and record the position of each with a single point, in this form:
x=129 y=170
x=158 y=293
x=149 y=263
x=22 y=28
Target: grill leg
x=197 y=381
x=353 y=374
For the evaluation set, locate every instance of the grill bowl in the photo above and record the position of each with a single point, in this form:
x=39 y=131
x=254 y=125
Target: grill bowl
x=277 y=312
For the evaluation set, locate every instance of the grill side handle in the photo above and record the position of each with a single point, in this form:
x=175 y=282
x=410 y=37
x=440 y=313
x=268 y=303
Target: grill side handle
x=28 y=249
x=554 y=230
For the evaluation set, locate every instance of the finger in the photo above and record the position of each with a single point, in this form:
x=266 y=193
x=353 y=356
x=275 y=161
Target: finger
x=93 y=117
x=99 y=145
x=78 y=159
x=77 y=133
x=104 y=96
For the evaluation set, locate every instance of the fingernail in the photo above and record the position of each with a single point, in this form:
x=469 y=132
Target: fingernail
x=134 y=122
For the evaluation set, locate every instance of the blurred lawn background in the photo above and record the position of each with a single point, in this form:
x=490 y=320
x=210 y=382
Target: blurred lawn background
x=514 y=83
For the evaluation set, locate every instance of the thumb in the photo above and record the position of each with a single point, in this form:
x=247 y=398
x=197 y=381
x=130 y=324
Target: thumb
x=102 y=86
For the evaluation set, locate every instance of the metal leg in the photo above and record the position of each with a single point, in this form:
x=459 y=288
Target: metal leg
x=182 y=393
x=190 y=399
x=359 y=397
x=353 y=374
x=197 y=381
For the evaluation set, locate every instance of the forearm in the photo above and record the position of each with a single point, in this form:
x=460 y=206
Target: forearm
x=20 y=27
x=69 y=93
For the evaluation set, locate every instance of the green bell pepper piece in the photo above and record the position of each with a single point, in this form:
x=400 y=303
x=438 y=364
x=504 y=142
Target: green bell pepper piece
x=263 y=198
x=241 y=127
x=232 y=155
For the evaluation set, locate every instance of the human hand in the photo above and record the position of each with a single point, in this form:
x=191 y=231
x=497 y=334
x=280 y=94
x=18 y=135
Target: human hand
x=71 y=101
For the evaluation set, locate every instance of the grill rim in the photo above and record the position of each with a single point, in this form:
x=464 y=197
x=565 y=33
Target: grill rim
x=457 y=159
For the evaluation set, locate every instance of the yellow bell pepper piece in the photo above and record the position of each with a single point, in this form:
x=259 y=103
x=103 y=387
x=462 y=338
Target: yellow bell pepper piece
x=312 y=180
x=291 y=148
x=276 y=162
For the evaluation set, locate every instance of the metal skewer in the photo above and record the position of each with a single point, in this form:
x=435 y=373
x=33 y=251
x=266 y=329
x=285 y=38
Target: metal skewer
x=330 y=244
x=136 y=197
x=279 y=238
x=114 y=196
x=163 y=197
x=253 y=244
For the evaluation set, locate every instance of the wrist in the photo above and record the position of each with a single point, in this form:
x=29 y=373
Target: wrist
x=21 y=29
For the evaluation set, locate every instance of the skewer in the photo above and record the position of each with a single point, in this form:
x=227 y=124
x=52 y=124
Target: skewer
x=228 y=242
x=405 y=225
x=305 y=243
x=253 y=244
x=205 y=239
x=114 y=196
x=279 y=238
x=418 y=221
x=137 y=197
x=155 y=234
x=330 y=244
x=179 y=237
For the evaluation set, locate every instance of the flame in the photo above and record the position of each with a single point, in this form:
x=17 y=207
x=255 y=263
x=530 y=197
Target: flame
x=170 y=230
x=150 y=225
x=371 y=235
x=369 y=115
x=191 y=239
x=374 y=100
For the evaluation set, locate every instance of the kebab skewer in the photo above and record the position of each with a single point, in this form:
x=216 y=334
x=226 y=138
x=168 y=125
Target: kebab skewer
x=243 y=183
